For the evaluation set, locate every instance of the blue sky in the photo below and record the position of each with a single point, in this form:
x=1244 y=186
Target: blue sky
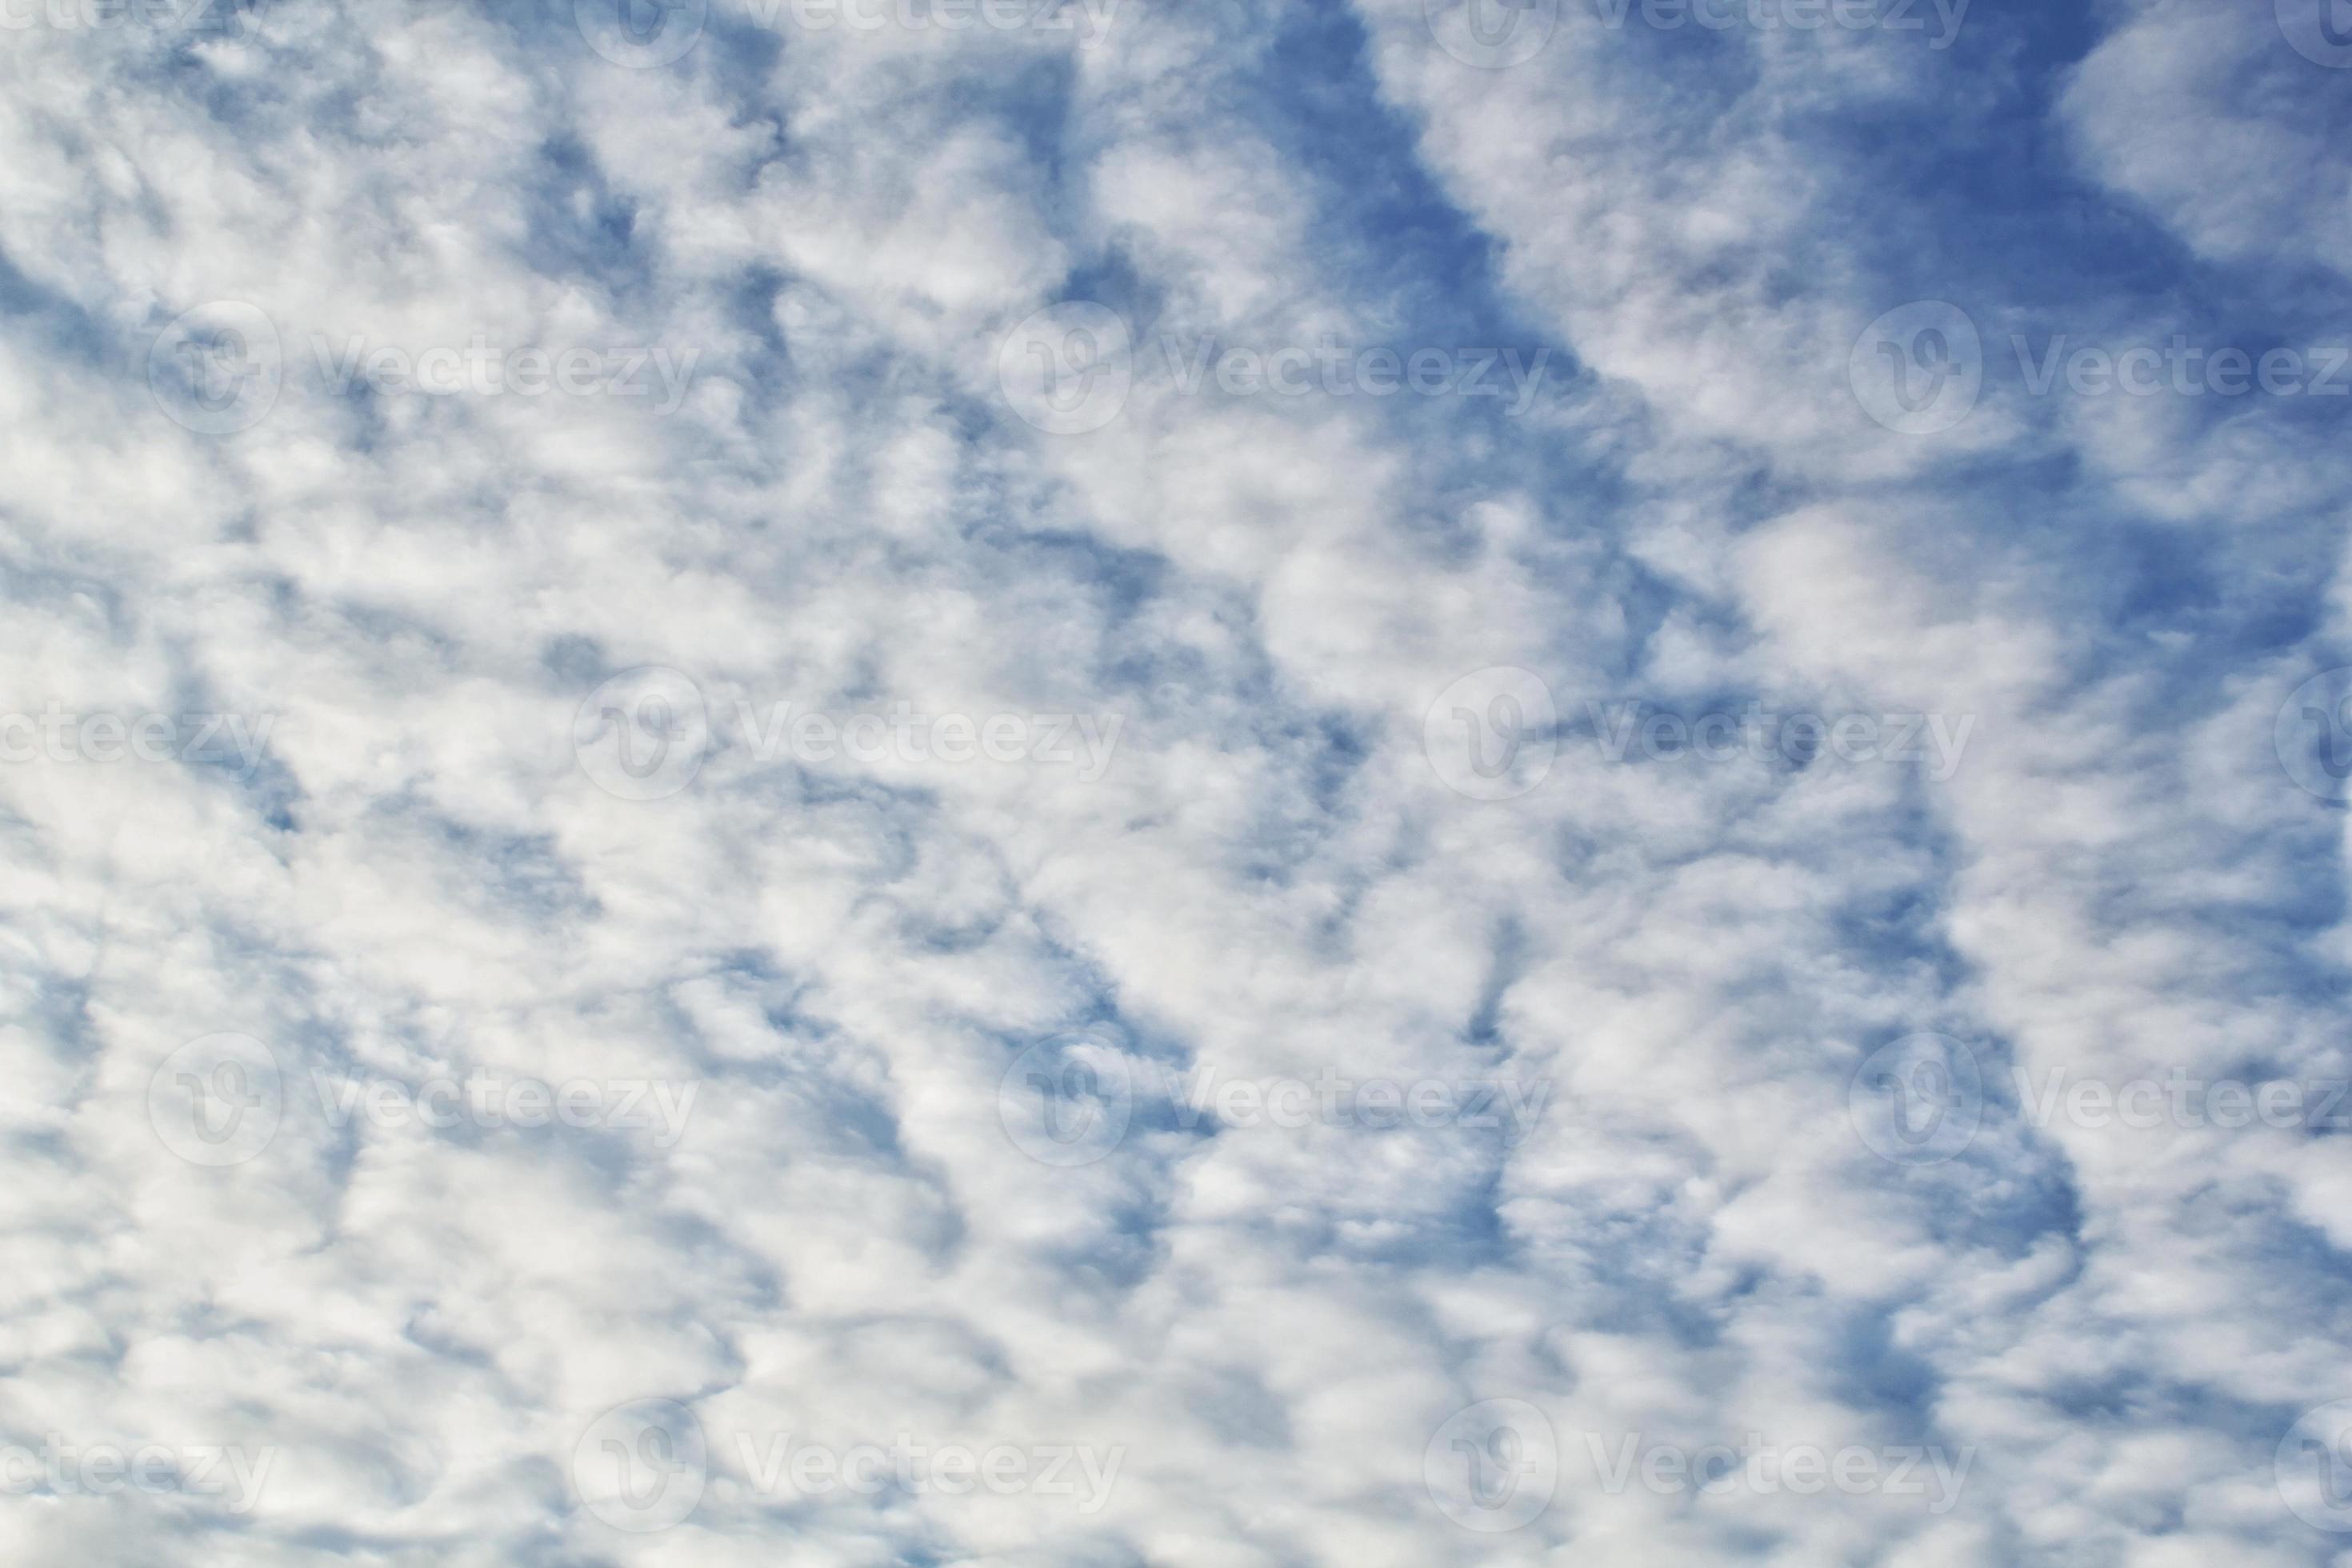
x=1128 y=783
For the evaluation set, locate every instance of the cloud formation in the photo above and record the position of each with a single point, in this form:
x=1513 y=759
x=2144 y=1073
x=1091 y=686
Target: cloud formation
x=1086 y=782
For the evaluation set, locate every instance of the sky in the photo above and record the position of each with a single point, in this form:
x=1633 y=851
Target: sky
x=1075 y=783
